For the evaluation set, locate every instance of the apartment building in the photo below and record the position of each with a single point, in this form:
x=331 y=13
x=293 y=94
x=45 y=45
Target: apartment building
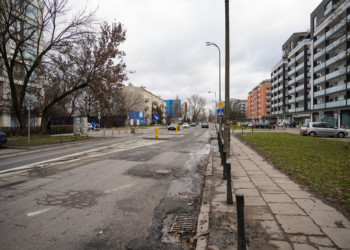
x=138 y=99
x=297 y=92
x=330 y=34
x=278 y=90
x=259 y=102
x=26 y=18
x=312 y=81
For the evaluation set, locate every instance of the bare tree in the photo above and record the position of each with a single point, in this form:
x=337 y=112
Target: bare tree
x=197 y=104
x=29 y=30
x=175 y=109
x=92 y=68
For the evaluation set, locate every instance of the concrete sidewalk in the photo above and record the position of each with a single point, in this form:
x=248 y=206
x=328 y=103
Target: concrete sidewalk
x=279 y=214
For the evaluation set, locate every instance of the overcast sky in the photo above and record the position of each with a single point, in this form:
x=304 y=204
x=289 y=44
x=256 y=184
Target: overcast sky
x=165 y=43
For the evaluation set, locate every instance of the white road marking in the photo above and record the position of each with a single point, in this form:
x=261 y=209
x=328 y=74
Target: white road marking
x=118 y=188
x=85 y=155
x=38 y=212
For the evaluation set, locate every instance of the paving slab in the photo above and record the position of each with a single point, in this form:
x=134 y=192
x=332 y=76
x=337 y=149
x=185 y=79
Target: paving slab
x=298 y=224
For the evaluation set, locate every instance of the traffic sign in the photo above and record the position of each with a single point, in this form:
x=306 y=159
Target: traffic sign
x=221 y=104
x=221 y=112
x=156 y=117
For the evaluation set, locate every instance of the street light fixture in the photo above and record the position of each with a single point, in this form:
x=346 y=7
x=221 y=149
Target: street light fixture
x=213 y=44
x=216 y=105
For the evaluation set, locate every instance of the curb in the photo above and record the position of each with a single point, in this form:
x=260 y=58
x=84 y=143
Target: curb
x=203 y=231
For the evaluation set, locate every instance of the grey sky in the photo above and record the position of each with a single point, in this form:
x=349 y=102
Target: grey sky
x=166 y=48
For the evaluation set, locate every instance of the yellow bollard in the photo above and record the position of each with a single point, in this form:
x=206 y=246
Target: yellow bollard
x=156 y=132
x=176 y=129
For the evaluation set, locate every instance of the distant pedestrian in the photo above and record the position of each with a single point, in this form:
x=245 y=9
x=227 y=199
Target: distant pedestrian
x=93 y=124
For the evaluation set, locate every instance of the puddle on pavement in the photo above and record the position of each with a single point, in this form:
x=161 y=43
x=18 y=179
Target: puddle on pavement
x=181 y=188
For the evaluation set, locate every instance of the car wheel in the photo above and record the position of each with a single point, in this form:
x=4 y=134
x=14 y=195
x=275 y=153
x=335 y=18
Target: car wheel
x=312 y=134
x=341 y=135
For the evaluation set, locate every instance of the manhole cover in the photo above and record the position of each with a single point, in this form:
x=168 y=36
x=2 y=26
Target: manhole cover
x=183 y=223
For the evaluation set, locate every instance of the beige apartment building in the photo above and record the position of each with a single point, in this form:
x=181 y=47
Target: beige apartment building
x=141 y=100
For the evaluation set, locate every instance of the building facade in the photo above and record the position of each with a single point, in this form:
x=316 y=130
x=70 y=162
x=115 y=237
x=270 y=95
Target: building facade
x=138 y=99
x=173 y=110
x=26 y=19
x=259 y=102
x=312 y=81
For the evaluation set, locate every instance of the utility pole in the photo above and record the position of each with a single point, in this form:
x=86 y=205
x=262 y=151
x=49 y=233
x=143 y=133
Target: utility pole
x=227 y=81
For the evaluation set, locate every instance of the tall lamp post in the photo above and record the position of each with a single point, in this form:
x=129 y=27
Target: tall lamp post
x=216 y=105
x=213 y=44
x=227 y=138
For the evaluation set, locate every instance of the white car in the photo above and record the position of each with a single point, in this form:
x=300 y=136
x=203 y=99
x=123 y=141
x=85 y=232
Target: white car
x=186 y=125
x=89 y=126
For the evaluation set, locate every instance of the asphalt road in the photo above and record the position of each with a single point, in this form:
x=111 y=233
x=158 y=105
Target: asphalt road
x=120 y=193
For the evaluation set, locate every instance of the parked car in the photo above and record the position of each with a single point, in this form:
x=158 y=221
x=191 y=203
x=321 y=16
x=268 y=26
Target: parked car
x=3 y=137
x=291 y=124
x=322 y=129
x=205 y=125
x=173 y=126
x=193 y=124
x=186 y=125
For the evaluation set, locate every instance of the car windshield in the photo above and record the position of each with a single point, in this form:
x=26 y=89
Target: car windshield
x=305 y=125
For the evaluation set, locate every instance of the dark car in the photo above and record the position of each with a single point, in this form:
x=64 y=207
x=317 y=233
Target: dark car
x=173 y=126
x=3 y=137
x=193 y=124
x=205 y=125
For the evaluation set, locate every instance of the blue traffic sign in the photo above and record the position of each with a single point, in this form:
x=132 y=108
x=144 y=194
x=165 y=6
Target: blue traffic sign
x=156 y=117
x=221 y=112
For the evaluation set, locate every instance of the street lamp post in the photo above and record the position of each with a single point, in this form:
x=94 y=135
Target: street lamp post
x=213 y=44
x=227 y=138
x=216 y=106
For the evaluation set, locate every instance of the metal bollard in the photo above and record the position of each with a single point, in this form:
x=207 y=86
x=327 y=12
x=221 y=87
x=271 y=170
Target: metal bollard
x=223 y=163
x=240 y=222
x=229 y=199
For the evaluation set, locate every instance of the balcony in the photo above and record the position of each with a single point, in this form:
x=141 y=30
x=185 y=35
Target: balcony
x=319 y=80
x=292 y=110
x=299 y=56
x=336 y=43
x=291 y=72
x=301 y=87
x=319 y=54
x=300 y=77
x=292 y=61
x=291 y=82
x=292 y=100
x=300 y=109
x=280 y=87
x=300 y=66
x=319 y=106
x=280 y=104
x=280 y=95
x=319 y=93
x=291 y=91
x=335 y=28
x=336 y=104
x=319 y=41
x=299 y=98
x=335 y=74
x=336 y=89
x=336 y=58
x=319 y=67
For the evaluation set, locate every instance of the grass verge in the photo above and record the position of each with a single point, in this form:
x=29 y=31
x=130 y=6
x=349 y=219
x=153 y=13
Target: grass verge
x=320 y=164
x=37 y=140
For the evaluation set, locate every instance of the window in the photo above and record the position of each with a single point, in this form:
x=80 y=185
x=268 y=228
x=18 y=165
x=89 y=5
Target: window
x=31 y=11
x=315 y=22
x=30 y=32
x=29 y=52
x=328 y=7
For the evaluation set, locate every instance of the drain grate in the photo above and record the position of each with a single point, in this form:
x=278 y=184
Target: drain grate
x=183 y=223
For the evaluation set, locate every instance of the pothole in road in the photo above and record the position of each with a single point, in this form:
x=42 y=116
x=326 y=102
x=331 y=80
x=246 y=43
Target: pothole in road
x=72 y=199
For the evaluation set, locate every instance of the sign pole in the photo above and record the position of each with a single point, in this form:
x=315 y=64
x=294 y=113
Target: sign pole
x=29 y=107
